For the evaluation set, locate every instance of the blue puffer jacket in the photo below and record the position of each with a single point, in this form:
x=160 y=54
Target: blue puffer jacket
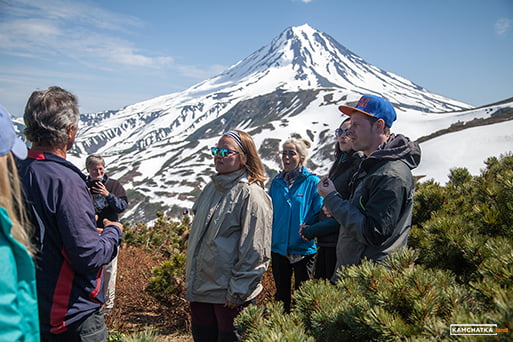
x=293 y=207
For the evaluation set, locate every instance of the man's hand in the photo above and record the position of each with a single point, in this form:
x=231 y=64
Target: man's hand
x=326 y=211
x=325 y=187
x=107 y=222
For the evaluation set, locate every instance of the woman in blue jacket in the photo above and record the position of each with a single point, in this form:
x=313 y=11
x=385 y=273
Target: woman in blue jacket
x=295 y=202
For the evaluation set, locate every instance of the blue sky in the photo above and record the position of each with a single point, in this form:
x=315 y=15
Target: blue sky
x=116 y=53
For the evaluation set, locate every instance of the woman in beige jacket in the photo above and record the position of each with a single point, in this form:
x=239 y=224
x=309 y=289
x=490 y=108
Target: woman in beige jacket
x=230 y=240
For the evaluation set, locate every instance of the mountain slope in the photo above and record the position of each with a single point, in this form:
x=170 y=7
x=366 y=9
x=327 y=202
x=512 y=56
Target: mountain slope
x=300 y=58
x=159 y=148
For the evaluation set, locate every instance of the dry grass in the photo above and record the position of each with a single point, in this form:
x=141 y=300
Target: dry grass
x=135 y=310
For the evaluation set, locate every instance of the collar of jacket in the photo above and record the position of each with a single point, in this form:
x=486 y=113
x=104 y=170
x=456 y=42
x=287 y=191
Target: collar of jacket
x=104 y=179
x=301 y=171
x=397 y=147
x=225 y=182
x=347 y=157
x=46 y=156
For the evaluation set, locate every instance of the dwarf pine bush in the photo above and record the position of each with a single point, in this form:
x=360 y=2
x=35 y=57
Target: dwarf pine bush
x=269 y=323
x=458 y=269
x=476 y=210
x=390 y=301
x=167 y=235
x=168 y=279
x=169 y=238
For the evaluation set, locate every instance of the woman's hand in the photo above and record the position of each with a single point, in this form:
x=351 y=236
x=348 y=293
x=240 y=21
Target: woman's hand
x=301 y=227
x=326 y=212
x=230 y=305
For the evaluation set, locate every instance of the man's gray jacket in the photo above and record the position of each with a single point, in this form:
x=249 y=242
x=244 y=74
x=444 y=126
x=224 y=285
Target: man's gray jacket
x=376 y=220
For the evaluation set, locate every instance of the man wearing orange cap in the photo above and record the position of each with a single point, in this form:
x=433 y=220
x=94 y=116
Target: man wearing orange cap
x=376 y=220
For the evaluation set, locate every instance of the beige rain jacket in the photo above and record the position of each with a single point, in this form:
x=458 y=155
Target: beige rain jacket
x=230 y=241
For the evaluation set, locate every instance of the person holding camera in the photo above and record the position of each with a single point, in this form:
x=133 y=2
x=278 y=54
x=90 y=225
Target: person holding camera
x=110 y=200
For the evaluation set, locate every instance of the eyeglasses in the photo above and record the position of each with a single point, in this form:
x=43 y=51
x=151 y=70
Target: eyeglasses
x=223 y=152
x=341 y=132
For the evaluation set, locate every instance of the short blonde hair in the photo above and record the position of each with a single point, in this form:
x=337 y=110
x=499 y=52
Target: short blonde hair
x=301 y=146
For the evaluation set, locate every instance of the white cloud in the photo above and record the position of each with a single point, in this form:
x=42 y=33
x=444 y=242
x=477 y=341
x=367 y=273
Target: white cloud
x=81 y=47
x=503 y=25
x=87 y=34
x=304 y=1
x=199 y=73
x=128 y=56
x=73 y=11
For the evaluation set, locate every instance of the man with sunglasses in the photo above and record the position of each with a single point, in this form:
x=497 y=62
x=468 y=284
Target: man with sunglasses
x=376 y=219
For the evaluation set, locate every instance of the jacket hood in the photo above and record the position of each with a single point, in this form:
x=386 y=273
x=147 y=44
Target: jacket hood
x=399 y=147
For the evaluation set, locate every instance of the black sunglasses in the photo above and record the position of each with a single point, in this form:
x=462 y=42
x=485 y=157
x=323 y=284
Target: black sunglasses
x=223 y=152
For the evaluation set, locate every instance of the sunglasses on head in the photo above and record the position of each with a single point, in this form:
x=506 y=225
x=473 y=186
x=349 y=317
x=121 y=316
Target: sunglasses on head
x=223 y=152
x=341 y=132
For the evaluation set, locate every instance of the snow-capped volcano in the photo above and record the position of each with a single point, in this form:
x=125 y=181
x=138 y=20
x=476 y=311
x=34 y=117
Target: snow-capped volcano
x=159 y=148
x=304 y=58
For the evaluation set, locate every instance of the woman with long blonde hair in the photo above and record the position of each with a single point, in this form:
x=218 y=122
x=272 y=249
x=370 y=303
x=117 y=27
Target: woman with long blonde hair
x=230 y=240
x=11 y=200
x=18 y=301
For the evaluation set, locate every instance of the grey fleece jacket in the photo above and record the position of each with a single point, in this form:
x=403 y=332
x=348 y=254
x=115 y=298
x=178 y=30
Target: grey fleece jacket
x=376 y=220
x=230 y=241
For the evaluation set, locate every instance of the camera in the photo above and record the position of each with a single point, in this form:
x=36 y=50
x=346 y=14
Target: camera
x=92 y=182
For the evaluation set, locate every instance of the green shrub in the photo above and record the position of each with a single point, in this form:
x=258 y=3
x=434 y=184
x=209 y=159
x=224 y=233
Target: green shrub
x=168 y=279
x=390 y=301
x=166 y=235
x=169 y=238
x=457 y=270
x=115 y=336
x=475 y=210
x=148 y=335
x=270 y=324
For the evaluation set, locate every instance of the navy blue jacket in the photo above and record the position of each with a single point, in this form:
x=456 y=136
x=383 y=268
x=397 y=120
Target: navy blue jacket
x=71 y=253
